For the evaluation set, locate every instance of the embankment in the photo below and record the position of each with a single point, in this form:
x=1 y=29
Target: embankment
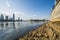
x=47 y=31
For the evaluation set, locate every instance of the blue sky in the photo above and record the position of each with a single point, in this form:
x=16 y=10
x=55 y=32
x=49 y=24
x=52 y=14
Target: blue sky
x=27 y=9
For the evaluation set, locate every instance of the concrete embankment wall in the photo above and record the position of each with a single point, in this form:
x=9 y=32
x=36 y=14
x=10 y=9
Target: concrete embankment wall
x=56 y=19
x=55 y=14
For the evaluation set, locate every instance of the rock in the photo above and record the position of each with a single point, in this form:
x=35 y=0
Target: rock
x=44 y=32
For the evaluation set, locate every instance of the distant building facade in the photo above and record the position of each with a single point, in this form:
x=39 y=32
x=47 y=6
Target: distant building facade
x=13 y=16
x=18 y=18
x=6 y=18
x=2 y=17
x=11 y=19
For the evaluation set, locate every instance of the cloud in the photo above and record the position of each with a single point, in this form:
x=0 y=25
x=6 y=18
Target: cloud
x=17 y=14
x=22 y=15
x=7 y=2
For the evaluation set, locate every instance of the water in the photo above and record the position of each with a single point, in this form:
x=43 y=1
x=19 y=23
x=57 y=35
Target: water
x=13 y=30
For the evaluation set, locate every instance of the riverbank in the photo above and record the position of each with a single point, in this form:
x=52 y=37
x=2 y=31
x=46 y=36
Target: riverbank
x=47 y=31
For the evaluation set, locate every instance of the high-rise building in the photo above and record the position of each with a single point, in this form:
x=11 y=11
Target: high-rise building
x=6 y=18
x=11 y=19
x=13 y=16
x=2 y=17
x=18 y=18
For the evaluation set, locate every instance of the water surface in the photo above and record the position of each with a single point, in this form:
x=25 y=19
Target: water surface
x=13 y=30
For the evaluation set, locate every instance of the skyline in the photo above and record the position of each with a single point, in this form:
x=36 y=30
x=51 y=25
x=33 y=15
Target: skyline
x=27 y=9
x=7 y=17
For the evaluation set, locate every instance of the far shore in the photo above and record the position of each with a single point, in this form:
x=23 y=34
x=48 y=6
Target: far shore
x=20 y=20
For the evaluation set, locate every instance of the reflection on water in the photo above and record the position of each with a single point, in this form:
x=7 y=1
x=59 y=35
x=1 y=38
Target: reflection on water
x=2 y=25
x=14 y=26
x=15 y=29
x=6 y=24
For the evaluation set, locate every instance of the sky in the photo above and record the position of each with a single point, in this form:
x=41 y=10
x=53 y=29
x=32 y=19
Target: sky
x=27 y=9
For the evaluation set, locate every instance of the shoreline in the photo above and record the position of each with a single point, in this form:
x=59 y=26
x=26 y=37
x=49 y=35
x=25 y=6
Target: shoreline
x=30 y=31
x=43 y=32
